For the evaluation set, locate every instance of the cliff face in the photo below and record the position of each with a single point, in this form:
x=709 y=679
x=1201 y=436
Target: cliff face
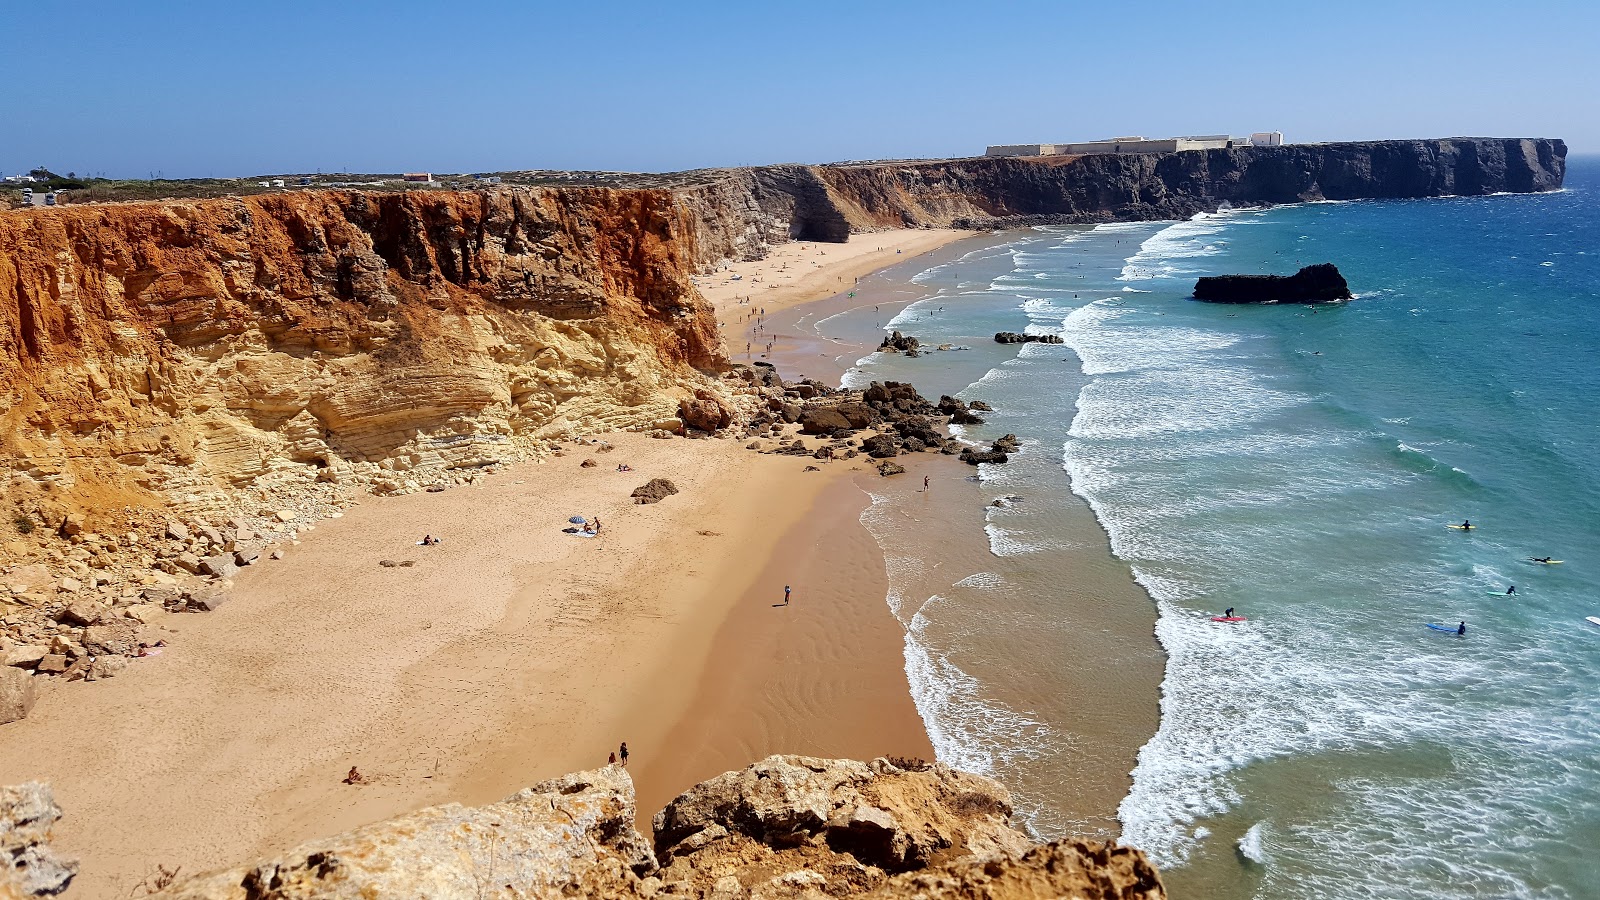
x=153 y=351
x=786 y=827
x=186 y=353
x=990 y=192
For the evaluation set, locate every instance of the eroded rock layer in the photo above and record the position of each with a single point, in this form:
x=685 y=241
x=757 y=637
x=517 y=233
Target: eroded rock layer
x=153 y=352
x=785 y=827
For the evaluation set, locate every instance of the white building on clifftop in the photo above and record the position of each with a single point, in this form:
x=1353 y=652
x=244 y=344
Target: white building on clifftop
x=1140 y=145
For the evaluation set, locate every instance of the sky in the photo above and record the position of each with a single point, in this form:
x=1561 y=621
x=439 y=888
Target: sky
x=200 y=89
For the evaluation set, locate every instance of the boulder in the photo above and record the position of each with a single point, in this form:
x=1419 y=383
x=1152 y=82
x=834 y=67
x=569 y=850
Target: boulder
x=187 y=562
x=107 y=667
x=121 y=636
x=568 y=837
x=208 y=601
x=705 y=412
x=25 y=657
x=654 y=491
x=52 y=664
x=72 y=524
x=219 y=566
x=588 y=464
x=823 y=420
x=28 y=813
x=858 y=415
x=885 y=469
x=81 y=612
x=16 y=697
x=1321 y=283
x=247 y=554
x=881 y=446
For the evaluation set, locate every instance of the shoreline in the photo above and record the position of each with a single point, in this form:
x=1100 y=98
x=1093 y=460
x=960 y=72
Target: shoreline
x=510 y=653
x=1113 y=660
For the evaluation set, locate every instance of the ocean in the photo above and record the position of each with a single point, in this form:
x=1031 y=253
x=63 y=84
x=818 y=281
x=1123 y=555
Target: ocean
x=1300 y=465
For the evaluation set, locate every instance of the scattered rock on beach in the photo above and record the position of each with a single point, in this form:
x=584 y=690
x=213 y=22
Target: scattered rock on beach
x=588 y=464
x=823 y=420
x=654 y=491
x=886 y=469
x=28 y=812
x=880 y=446
x=16 y=695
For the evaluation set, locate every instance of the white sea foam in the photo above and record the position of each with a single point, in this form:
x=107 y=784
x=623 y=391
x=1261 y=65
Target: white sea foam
x=1250 y=846
x=987 y=581
x=1166 y=253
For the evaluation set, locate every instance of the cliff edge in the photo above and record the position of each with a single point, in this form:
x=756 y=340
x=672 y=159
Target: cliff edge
x=785 y=827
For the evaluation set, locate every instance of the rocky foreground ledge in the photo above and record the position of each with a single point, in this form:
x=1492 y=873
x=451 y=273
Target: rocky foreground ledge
x=785 y=827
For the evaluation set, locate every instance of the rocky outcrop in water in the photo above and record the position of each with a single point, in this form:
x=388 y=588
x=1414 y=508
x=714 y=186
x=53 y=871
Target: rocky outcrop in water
x=785 y=827
x=1012 y=337
x=1321 y=283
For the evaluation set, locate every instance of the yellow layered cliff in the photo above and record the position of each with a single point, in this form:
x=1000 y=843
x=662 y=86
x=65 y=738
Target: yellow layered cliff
x=180 y=352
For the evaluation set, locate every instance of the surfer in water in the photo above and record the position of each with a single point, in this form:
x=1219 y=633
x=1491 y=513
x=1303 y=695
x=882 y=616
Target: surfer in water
x=1539 y=560
x=1466 y=525
x=1227 y=613
x=1462 y=631
x=1511 y=590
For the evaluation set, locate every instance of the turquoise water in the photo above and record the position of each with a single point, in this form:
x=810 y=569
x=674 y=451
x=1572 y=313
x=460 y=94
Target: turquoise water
x=1300 y=465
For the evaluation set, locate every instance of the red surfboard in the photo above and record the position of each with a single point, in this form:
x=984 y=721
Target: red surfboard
x=1227 y=618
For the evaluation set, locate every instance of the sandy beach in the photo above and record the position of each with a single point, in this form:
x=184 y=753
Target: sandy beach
x=804 y=271
x=509 y=653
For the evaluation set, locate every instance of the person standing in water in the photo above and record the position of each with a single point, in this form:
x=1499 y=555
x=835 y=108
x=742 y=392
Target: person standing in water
x=1462 y=631
x=924 y=484
x=1466 y=525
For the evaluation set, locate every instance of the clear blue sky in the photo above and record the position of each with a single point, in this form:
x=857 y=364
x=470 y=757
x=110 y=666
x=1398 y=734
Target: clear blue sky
x=227 y=89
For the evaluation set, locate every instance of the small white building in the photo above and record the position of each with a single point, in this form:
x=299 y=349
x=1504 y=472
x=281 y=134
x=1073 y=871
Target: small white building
x=1267 y=138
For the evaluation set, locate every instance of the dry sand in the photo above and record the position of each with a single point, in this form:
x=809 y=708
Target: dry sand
x=510 y=653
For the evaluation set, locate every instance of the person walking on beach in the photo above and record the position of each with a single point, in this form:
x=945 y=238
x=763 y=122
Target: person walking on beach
x=924 y=484
x=613 y=760
x=786 y=595
x=624 y=752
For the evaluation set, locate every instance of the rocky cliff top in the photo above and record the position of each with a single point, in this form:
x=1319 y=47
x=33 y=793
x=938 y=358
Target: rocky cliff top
x=785 y=827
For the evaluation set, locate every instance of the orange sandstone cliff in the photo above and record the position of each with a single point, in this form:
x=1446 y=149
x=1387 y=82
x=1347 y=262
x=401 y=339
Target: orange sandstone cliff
x=178 y=353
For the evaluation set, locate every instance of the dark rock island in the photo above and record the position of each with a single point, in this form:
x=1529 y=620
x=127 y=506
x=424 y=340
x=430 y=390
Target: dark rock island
x=1321 y=283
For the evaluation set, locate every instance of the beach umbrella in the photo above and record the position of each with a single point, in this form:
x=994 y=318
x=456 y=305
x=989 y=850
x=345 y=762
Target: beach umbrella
x=578 y=520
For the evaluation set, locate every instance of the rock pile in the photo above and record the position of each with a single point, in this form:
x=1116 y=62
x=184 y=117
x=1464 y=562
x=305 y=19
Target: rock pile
x=1011 y=337
x=900 y=343
x=653 y=491
x=785 y=827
